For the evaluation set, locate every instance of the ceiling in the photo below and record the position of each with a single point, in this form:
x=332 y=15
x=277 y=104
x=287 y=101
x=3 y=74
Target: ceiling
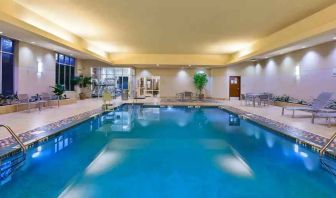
x=28 y=37
x=174 y=26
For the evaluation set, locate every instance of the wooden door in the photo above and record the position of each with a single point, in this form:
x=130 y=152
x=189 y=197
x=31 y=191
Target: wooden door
x=234 y=86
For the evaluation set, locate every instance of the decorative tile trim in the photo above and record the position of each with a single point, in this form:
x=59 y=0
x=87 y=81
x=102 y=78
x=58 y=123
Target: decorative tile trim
x=43 y=133
x=311 y=140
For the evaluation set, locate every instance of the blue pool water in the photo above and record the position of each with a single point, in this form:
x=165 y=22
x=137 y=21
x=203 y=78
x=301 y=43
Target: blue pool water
x=169 y=152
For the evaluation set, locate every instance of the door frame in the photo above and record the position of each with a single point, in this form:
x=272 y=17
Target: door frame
x=239 y=77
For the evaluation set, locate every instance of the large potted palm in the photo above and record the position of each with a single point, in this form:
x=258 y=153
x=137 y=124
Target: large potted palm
x=200 y=81
x=83 y=82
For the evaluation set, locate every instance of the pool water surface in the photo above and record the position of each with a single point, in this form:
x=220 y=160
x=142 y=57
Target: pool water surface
x=139 y=151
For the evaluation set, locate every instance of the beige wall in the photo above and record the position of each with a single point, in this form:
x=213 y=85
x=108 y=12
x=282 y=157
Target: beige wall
x=175 y=80
x=28 y=79
x=278 y=74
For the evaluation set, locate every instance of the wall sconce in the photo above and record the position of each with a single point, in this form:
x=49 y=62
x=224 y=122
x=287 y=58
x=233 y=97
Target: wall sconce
x=39 y=68
x=297 y=72
x=334 y=72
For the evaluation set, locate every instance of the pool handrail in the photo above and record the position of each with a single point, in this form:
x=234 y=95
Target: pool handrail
x=324 y=148
x=16 y=137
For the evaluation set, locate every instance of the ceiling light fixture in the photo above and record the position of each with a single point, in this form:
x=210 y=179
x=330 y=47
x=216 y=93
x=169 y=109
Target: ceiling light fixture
x=189 y=65
x=334 y=38
x=1 y=32
x=157 y=65
x=303 y=47
x=32 y=42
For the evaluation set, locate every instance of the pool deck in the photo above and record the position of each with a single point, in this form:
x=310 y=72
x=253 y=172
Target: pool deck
x=37 y=124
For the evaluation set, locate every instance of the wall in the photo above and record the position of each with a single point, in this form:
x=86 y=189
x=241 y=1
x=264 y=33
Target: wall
x=174 y=80
x=28 y=79
x=278 y=74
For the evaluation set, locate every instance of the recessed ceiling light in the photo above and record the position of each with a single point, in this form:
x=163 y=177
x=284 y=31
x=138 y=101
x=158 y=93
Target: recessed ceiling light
x=334 y=38
x=266 y=57
x=32 y=42
x=157 y=65
x=303 y=47
x=189 y=65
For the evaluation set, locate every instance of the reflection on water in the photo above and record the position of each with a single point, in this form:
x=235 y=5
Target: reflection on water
x=235 y=165
x=123 y=119
x=234 y=120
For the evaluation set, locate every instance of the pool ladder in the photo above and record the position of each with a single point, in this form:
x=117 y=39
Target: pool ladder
x=324 y=164
x=9 y=166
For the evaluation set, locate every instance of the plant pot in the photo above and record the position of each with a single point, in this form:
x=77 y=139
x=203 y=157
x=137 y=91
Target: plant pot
x=82 y=96
x=285 y=104
x=201 y=96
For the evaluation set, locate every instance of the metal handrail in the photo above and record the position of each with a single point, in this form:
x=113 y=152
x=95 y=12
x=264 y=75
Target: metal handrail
x=23 y=147
x=322 y=151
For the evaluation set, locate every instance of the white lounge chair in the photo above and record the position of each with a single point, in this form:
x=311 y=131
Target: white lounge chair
x=318 y=105
x=326 y=115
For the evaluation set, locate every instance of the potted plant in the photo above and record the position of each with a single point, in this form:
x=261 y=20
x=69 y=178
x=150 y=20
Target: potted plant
x=286 y=100
x=83 y=82
x=200 y=81
x=58 y=90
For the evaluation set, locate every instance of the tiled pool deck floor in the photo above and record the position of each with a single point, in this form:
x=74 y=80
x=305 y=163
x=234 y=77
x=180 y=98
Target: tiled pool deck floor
x=38 y=124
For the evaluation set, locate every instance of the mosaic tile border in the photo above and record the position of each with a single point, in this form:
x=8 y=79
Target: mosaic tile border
x=313 y=141
x=8 y=146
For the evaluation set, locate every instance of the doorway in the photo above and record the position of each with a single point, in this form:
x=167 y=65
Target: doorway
x=234 y=86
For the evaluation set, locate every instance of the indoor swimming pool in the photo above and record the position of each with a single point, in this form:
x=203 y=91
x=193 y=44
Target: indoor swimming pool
x=138 y=151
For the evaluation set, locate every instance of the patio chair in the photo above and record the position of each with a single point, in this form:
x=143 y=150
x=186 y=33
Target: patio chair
x=242 y=98
x=317 y=105
x=180 y=96
x=188 y=95
x=248 y=99
x=45 y=98
x=326 y=115
x=23 y=99
x=265 y=98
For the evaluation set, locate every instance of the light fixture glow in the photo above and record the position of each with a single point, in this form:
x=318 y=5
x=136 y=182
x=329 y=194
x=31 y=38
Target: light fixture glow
x=1 y=32
x=297 y=72
x=32 y=42
x=39 y=68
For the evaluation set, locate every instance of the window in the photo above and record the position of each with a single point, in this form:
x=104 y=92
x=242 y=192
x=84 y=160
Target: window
x=6 y=66
x=65 y=71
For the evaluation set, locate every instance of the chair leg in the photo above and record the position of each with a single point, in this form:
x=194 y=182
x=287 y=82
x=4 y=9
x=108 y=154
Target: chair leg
x=293 y=114
x=283 y=111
